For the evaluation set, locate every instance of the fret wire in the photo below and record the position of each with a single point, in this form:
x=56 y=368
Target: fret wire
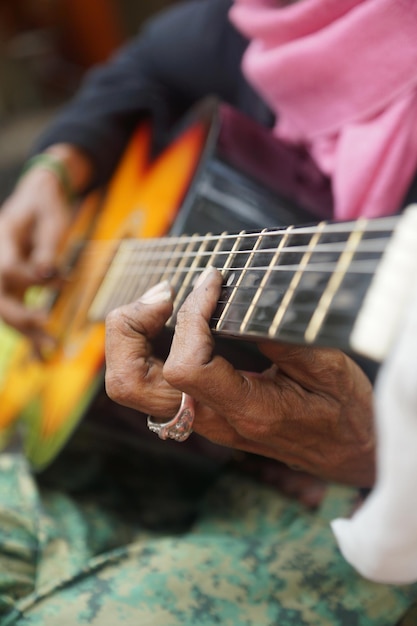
x=77 y=308
x=217 y=252
x=249 y=290
x=144 y=261
x=170 y=257
x=165 y=276
x=116 y=289
x=112 y=281
x=334 y=283
x=231 y=254
x=171 y=261
x=349 y=317
x=171 y=248
x=181 y=267
x=357 y=267
x=127 y=291
x=296 y=308
x=212 y=255
x=249 y=260
x=294 y=282
x=360 y=267
x=185 y=287
x=133 y=286
x=367 y=245
x=196 y=268
x=261 y=331
x=225 y=271
x=105 y=290
x=264 y=280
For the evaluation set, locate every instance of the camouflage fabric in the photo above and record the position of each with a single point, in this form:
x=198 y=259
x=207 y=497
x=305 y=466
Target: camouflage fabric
x=248 y=557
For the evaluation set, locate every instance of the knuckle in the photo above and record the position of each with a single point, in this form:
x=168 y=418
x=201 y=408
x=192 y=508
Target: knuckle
x=247 y=421
x=332 y=368
x=120 y=320
x=251 y=429
x=176 y=373
x=339 y=365
x=6 y=267
x=118 y=387
x=181 y=319
x=113 y=318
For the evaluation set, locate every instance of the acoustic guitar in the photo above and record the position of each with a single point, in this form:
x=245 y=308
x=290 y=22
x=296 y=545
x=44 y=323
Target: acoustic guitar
x=333 y=284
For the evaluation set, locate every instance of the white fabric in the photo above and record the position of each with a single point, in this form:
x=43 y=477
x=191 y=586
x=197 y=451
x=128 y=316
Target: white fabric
x=380 y=540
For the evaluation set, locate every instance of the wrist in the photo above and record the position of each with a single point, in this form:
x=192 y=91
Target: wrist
x=77 y=164
x=70 y=167
x=51 y=164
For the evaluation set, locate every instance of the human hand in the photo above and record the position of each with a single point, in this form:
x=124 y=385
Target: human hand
x=312 y=409
x=33 y=222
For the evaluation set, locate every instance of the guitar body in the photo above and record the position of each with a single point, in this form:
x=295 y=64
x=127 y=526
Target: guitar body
x=202 y=172
x=47 y=398
x=221 y=174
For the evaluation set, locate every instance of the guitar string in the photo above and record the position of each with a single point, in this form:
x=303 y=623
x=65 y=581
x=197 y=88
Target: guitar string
x=295 y=331
x=366 y=246
x=344 y=318
x=248 y=292
x=157 y=243
x=146 y=278
x=372 y=246
x=356 y=267
x=299 y=315
x=378 y=232
x=383 y=225
x=370 y=227
x=255 y=325
x=125 y=273
x=168 y=249
x=295 y=306
x=292 y=327
x=296 y=325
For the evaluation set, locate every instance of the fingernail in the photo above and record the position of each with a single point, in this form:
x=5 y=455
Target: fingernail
x=159 y=293
x=204 y=274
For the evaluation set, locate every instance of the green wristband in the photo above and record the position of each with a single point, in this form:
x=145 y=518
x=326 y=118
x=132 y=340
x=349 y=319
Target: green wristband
x=56 y=166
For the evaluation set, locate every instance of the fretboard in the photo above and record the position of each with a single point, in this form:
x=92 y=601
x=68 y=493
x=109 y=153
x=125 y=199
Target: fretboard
x=311 y=284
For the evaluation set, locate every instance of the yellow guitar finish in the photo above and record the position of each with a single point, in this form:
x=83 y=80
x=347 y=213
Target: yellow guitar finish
x=49 y=397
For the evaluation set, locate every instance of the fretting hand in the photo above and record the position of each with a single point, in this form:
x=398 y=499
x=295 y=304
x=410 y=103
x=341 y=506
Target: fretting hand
x=312 y=409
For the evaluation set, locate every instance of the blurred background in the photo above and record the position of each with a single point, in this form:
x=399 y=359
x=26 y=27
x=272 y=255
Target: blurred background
x=45 y=48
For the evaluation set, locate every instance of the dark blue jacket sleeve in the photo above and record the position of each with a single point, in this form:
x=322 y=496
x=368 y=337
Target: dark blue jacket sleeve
x=185 y=53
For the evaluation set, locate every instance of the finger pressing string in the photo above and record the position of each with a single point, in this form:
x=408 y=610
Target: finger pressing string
x=191 y=365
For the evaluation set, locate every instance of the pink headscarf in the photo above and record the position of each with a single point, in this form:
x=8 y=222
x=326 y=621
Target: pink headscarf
x=341 y=76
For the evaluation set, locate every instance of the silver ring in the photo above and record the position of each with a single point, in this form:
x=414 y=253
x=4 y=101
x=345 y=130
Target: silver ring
x=180 y=426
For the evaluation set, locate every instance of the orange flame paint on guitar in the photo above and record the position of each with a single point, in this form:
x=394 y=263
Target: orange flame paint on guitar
x=223 y=172
x=143 y=199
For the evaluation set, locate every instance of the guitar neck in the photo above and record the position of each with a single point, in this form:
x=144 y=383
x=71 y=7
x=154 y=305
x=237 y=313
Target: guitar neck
x=307 y=285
